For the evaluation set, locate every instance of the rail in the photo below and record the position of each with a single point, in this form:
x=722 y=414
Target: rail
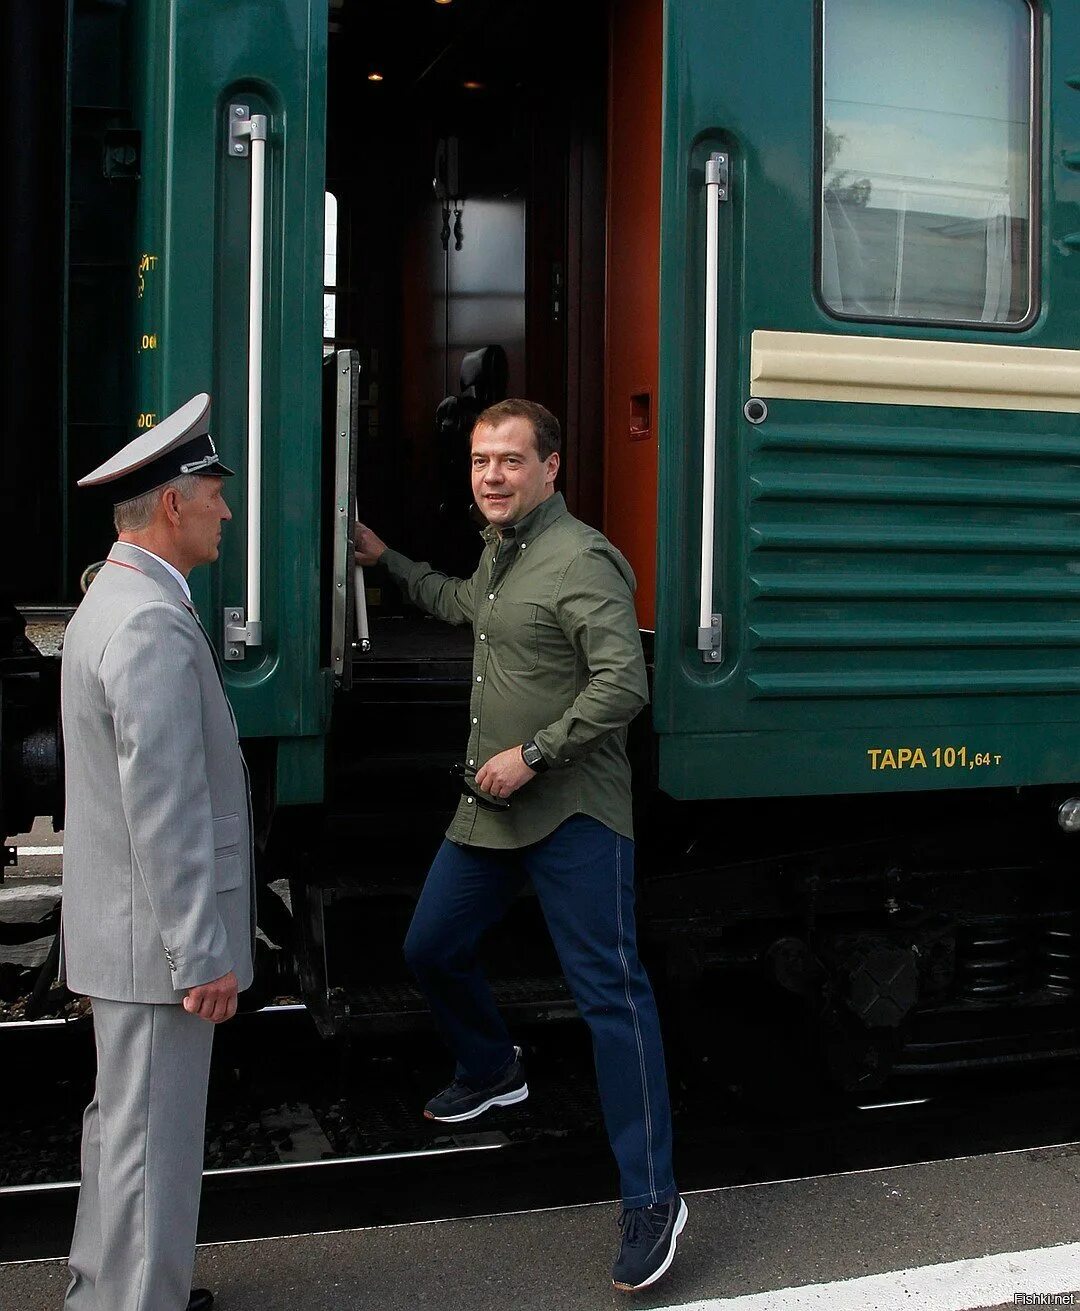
x=709 y=622
x=248 y=135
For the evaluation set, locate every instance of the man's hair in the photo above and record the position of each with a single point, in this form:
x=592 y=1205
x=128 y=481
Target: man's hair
x=545 y=426
x=134 y=515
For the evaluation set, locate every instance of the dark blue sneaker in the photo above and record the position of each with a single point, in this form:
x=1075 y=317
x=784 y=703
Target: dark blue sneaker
x=464 y=1100
x=649 y=1235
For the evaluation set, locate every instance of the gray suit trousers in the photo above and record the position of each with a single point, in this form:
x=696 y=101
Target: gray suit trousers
x=142 y=1156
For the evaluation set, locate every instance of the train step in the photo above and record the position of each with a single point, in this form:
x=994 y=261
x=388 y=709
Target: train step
x=392 y=1008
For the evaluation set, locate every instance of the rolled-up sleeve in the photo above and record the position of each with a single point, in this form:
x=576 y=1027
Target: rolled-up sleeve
x=595 y=608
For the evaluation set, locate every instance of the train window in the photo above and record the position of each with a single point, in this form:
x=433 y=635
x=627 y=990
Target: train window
x=927 y=190
x=330 y=274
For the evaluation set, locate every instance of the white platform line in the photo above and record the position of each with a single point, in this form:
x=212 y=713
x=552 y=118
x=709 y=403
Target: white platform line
x=984 y=1281
x=40 y=851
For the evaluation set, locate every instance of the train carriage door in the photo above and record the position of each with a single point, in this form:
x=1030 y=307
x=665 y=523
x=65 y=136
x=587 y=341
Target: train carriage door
x=230 y=109
x=869 y=556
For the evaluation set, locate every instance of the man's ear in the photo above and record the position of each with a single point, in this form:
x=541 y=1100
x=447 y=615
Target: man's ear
x=553 y=465
x=170 y=503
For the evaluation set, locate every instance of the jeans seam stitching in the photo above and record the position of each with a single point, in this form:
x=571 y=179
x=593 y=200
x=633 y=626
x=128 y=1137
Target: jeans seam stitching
x=634 y=1014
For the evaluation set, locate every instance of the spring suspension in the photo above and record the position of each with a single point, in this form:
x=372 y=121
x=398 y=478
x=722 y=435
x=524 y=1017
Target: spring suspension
x=992 y=961
x=1057 y=959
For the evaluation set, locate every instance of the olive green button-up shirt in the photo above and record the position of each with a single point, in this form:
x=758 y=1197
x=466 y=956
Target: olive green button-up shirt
x=557 y=658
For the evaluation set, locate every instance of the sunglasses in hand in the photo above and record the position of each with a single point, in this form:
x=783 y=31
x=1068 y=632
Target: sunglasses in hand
x=463 y=773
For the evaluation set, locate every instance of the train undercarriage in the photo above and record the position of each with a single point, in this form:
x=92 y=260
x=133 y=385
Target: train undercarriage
x=821 y=941
x=834 y=940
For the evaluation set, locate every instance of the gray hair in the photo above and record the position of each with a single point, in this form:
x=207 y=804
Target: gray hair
x=134 y=515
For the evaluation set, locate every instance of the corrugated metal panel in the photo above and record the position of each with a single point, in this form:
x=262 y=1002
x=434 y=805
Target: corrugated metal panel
x=889 y=563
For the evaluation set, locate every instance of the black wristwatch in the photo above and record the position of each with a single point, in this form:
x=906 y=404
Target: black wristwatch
x=533 y=756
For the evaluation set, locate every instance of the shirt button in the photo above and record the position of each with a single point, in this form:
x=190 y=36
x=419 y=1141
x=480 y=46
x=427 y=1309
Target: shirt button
x=524 y=545
x=468 y=801
x=476 y=721
x=479 y=678
x=483 y=637
x=491 y=596
x=472 y=762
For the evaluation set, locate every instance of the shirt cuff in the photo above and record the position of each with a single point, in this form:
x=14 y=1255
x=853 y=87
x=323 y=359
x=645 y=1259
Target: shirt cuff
x=548 y=741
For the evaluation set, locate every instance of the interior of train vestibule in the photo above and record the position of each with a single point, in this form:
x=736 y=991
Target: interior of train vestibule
x=493 y=179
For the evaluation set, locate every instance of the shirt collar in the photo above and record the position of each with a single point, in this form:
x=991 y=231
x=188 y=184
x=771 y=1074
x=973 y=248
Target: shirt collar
x=165 y=565
x=534 y=523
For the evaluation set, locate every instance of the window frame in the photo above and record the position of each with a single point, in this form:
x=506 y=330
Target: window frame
x=1035 y=173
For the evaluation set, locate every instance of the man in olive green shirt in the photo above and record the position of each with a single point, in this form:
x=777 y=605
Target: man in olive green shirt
x=558 y=674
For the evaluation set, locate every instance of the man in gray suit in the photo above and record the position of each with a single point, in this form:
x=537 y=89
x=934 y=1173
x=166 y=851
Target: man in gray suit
x=158 y=924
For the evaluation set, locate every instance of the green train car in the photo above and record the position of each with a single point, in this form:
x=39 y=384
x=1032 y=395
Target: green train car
x=803 y=286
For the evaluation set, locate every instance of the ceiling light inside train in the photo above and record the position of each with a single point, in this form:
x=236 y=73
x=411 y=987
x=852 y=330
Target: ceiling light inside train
x=374 y=77
x=473 y=86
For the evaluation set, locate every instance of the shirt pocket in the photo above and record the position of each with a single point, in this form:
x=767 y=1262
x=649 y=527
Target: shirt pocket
x=514 y=640
x=228 y=858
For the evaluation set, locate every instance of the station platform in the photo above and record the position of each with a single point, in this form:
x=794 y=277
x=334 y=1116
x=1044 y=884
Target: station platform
x=977 y=1232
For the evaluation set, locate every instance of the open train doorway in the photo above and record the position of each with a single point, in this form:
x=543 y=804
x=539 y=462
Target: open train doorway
x=468 y=165
x=483 y=248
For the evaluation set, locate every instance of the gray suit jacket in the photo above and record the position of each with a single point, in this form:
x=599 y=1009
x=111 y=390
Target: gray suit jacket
x=158 y=893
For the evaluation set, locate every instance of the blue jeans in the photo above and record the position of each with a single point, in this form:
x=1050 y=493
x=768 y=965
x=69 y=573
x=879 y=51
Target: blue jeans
x=583 y=875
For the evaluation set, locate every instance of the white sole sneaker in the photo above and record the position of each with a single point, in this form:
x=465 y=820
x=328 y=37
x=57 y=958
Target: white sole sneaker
x=503 y=1099
x=680 y=1225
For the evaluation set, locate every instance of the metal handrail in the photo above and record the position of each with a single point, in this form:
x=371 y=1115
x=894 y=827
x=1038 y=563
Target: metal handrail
x=255 y=367
x=708 y=621
x=246 y=629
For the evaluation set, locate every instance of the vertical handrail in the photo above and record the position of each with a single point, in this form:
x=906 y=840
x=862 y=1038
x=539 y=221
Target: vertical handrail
x=248 y=136
x=708 y=620
x=363 y=626
x=255 y=370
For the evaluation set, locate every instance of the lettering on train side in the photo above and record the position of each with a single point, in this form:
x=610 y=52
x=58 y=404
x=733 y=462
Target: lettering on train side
x=147 y=264
x=937 y=757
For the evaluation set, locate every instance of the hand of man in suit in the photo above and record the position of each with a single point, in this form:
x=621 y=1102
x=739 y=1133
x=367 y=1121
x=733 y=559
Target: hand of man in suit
x=214 y=1001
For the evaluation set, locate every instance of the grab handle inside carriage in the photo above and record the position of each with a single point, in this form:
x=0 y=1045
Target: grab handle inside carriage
x=247 y=137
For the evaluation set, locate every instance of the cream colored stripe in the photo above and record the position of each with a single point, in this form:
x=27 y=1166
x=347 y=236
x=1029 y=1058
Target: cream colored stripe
x=815 y=366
